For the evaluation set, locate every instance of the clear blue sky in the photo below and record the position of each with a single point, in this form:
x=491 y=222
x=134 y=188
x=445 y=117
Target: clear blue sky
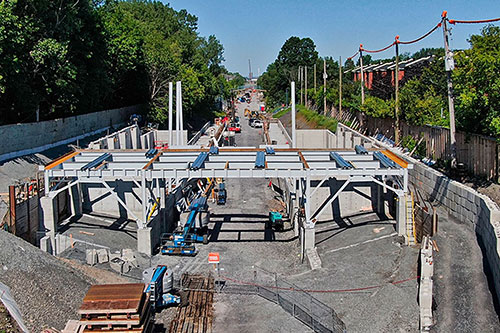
x=256 y=29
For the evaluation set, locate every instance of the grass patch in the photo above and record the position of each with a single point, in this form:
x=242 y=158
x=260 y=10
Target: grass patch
x=320 y=120
x=281 y=113
x=312 y=116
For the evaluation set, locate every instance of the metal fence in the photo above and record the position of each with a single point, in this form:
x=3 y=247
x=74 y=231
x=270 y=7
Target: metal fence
x=300 y=304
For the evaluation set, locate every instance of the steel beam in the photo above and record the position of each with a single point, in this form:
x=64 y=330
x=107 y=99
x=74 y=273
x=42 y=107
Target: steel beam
x=328 y=202
x=140 y=222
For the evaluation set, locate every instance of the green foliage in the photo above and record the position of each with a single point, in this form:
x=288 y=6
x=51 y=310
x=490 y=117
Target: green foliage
x=72 y=57
x=410 y=143
x=377 y=107
x=477 y=83
x=281 y=113
x=320 y=120
x=276 y=80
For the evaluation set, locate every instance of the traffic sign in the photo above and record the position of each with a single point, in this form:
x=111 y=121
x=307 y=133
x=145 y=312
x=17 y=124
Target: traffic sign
x=213 y=258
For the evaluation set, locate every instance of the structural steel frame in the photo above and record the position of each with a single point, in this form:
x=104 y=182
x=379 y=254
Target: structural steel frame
x=173 y=165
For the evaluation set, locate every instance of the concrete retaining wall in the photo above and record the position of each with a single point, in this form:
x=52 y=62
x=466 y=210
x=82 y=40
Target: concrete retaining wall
x=464 y=203
x=468 y=206
x=30 y=138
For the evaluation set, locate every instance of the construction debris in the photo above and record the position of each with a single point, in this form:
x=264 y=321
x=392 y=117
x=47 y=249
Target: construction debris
x=197 y=316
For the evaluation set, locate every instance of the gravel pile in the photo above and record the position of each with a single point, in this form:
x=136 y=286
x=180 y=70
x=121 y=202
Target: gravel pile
x=47 y=290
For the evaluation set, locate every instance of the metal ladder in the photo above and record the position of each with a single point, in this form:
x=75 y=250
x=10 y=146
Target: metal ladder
x=410 y=217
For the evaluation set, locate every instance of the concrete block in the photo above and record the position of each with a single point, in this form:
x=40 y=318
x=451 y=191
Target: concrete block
x=46 y=244
x=102 y=256
x=119 y=266
x=144 y=241
x=91 y=257
x=128 y=255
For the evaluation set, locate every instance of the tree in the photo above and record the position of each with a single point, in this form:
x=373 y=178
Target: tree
x=53 y=58
x=477 y=84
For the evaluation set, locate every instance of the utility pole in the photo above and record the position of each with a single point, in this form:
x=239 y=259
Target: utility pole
x=362 y=74
x=396 y=85
x=314 y=78
x=324 y=85
x=305 y=90
x=450 y=66
x=301 y=83
x=340 y=86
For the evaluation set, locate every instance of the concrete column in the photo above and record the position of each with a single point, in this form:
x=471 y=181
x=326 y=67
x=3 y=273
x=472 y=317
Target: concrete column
x=111 y=142
x=294 y=129
x=347 y=139
x=380 y=200
x=75 y=194
x=122 y=138
x=181 y=117
x=170 y=104
x=163 y=205
x=144 y=241
x=309 y=238
x=144 y=198
x=135 y=137
x=401 y=214
x=49 y=220
x=177 y=114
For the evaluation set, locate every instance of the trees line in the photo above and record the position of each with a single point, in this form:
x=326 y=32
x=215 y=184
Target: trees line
x=423 y=98
x=63 y=58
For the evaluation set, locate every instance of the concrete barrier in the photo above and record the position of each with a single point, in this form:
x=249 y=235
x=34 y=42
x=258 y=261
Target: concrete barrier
x=29 y=138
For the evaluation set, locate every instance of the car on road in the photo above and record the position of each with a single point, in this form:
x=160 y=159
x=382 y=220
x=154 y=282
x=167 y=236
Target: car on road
x=250 y=121
x=234 y=128
x=257 y=124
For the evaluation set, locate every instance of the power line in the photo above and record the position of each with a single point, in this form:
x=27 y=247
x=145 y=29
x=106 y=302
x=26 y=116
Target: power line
x=423 y=36
x=474 y=21
x=377 y=51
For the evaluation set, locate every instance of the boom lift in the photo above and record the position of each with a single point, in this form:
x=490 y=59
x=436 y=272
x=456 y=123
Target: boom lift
x=180 y=242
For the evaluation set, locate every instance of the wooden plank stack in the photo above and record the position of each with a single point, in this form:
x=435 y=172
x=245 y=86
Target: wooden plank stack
x=197 y=316
x=115 y=308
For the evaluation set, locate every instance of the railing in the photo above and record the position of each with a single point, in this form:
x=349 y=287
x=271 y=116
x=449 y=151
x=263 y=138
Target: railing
x=479 y=153
x=300 y=304
x=198 y=135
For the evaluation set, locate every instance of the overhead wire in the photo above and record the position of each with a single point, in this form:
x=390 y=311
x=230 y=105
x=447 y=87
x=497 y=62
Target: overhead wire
x=474 y=21
x=377 y=51
x=423 y=36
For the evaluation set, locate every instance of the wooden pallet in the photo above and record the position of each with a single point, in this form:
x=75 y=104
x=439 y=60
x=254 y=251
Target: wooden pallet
x=113 y=298
x=197 y=316
x=116 y=308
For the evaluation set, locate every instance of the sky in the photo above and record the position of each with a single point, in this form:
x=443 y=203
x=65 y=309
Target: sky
x=256 y=29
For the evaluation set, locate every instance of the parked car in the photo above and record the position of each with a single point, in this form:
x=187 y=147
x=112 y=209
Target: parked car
x=257 y=124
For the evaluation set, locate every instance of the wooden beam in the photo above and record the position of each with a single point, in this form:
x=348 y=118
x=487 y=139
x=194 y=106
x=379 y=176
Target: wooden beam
x=152 y=160
x=61 y=159
x=303 y=160
x=395 y=158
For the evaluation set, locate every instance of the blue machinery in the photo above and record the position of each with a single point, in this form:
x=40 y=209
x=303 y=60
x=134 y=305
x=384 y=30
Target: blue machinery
x=160 y=281
x=181 y=242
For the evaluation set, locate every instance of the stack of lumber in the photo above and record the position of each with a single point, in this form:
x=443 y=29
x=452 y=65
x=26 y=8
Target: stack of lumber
x=197 y=316
x=115 y=308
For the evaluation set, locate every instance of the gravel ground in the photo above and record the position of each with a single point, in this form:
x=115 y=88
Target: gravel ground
x=463 y=301
x=48 y=290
